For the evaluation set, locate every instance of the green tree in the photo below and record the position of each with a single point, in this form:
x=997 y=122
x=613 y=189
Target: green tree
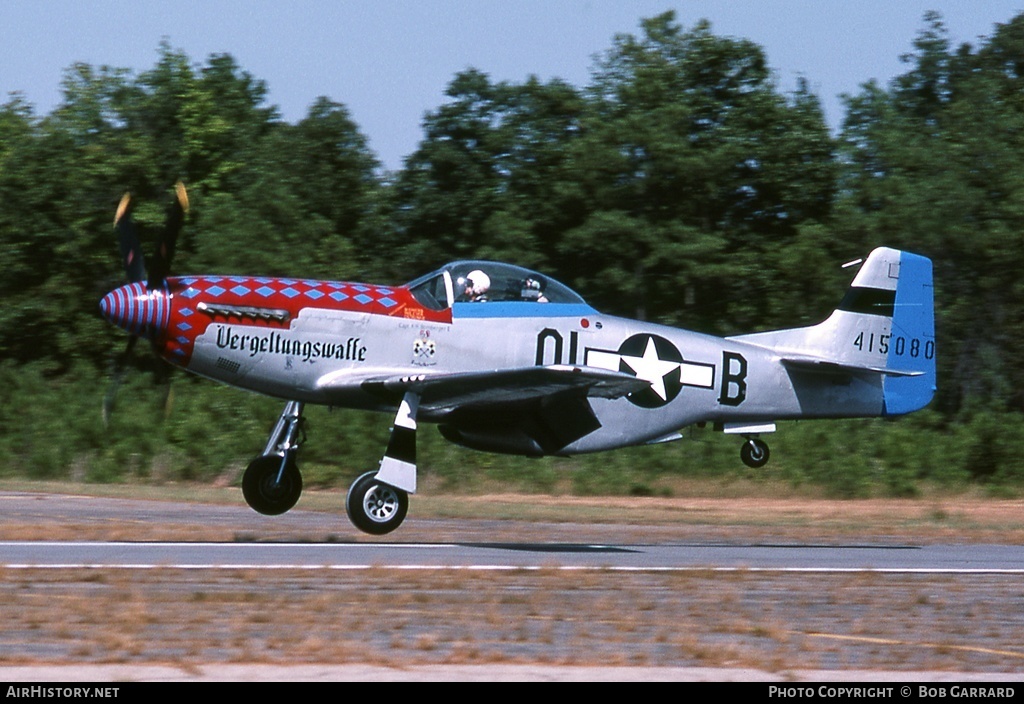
x=334 y=175
x=936 y=164
x=482 y=182
x=297 y=206
x=51 y=185
x=705 y=169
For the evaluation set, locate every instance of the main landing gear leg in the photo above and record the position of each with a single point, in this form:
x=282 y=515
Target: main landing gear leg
x=378 y=501
x=272 y=483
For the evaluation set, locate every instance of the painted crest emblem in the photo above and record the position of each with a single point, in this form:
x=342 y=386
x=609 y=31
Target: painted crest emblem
x=423 y=350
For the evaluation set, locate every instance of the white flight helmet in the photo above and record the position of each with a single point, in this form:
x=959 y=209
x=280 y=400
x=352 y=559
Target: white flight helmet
x=479 y=282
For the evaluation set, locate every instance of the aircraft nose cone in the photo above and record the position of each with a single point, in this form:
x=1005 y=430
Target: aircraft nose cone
x=137 y=310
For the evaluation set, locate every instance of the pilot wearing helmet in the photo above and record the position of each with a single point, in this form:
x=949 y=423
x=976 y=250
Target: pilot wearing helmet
x=532 y=291
x=474 y=286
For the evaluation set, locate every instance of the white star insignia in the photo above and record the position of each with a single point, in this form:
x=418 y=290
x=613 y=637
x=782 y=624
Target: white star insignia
x=651 y=368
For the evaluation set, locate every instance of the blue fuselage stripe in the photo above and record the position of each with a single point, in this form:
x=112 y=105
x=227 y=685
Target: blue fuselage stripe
x=520 y=309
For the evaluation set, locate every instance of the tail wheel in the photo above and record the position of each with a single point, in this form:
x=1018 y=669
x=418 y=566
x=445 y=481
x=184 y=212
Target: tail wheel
x=754 y=453
x=374 y=507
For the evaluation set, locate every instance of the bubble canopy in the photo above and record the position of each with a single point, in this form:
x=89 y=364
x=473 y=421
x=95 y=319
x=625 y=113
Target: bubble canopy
x=461 y=282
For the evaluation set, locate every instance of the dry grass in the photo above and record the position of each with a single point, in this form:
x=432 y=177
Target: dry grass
x=384 y=617
x=371 y=617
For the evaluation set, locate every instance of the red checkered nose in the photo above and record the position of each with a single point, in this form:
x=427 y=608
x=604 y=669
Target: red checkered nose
x=136 y=309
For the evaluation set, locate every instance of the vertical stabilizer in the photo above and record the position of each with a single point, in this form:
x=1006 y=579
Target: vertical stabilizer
x=884 y=325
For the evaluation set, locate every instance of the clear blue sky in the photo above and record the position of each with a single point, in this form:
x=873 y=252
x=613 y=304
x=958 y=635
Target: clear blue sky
x=389 y=61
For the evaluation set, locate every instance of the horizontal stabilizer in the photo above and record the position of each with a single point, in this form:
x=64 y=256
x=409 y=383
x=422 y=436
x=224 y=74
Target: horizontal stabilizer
x=828 y=366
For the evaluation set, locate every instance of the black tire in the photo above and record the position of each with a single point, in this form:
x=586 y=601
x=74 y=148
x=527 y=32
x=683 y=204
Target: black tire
x=262 y=491
x=374 y=507
x=754 y=453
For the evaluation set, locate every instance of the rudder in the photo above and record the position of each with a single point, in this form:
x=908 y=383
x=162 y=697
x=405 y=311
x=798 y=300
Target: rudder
x=912 y=341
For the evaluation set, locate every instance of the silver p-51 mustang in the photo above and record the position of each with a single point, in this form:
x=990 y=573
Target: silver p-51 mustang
x=504 y=359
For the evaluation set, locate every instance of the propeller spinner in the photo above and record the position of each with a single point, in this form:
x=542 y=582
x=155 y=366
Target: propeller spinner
x=141 y=307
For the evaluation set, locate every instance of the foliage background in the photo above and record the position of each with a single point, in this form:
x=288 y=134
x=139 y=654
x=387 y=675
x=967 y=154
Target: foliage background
x=680 y=186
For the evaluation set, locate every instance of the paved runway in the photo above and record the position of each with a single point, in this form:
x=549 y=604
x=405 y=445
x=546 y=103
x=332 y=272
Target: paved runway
x=321 y=547
x=790 y=557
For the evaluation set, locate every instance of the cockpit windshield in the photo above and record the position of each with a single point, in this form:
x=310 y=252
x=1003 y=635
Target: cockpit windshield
x=483 y=281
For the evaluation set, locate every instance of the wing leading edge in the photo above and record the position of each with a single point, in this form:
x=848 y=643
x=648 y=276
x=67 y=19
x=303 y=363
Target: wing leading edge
x=533 y=411
x=448 y=392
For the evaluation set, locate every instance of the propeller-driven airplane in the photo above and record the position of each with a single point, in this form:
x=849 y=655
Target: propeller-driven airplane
x=504 y=359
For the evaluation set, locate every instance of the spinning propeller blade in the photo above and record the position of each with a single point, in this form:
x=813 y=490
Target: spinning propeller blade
x=132 y=307
x=118 y=369
x=168 y=238
x=128 y=241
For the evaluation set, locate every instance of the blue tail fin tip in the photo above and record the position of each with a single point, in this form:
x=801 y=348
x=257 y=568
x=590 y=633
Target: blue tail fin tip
x=912 y=341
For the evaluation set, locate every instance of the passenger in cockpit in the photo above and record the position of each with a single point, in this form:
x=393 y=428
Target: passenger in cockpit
x=532 y=291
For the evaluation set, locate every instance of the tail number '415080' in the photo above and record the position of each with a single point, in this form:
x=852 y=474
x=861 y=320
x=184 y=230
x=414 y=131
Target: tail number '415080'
x=900 y=346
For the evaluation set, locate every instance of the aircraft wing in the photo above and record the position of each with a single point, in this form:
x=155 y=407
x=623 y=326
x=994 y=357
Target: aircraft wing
x=440 y=392
x=831 y=366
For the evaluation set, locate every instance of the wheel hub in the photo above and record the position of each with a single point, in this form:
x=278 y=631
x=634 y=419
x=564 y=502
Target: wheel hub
x=273 y=489
x=381 y=503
